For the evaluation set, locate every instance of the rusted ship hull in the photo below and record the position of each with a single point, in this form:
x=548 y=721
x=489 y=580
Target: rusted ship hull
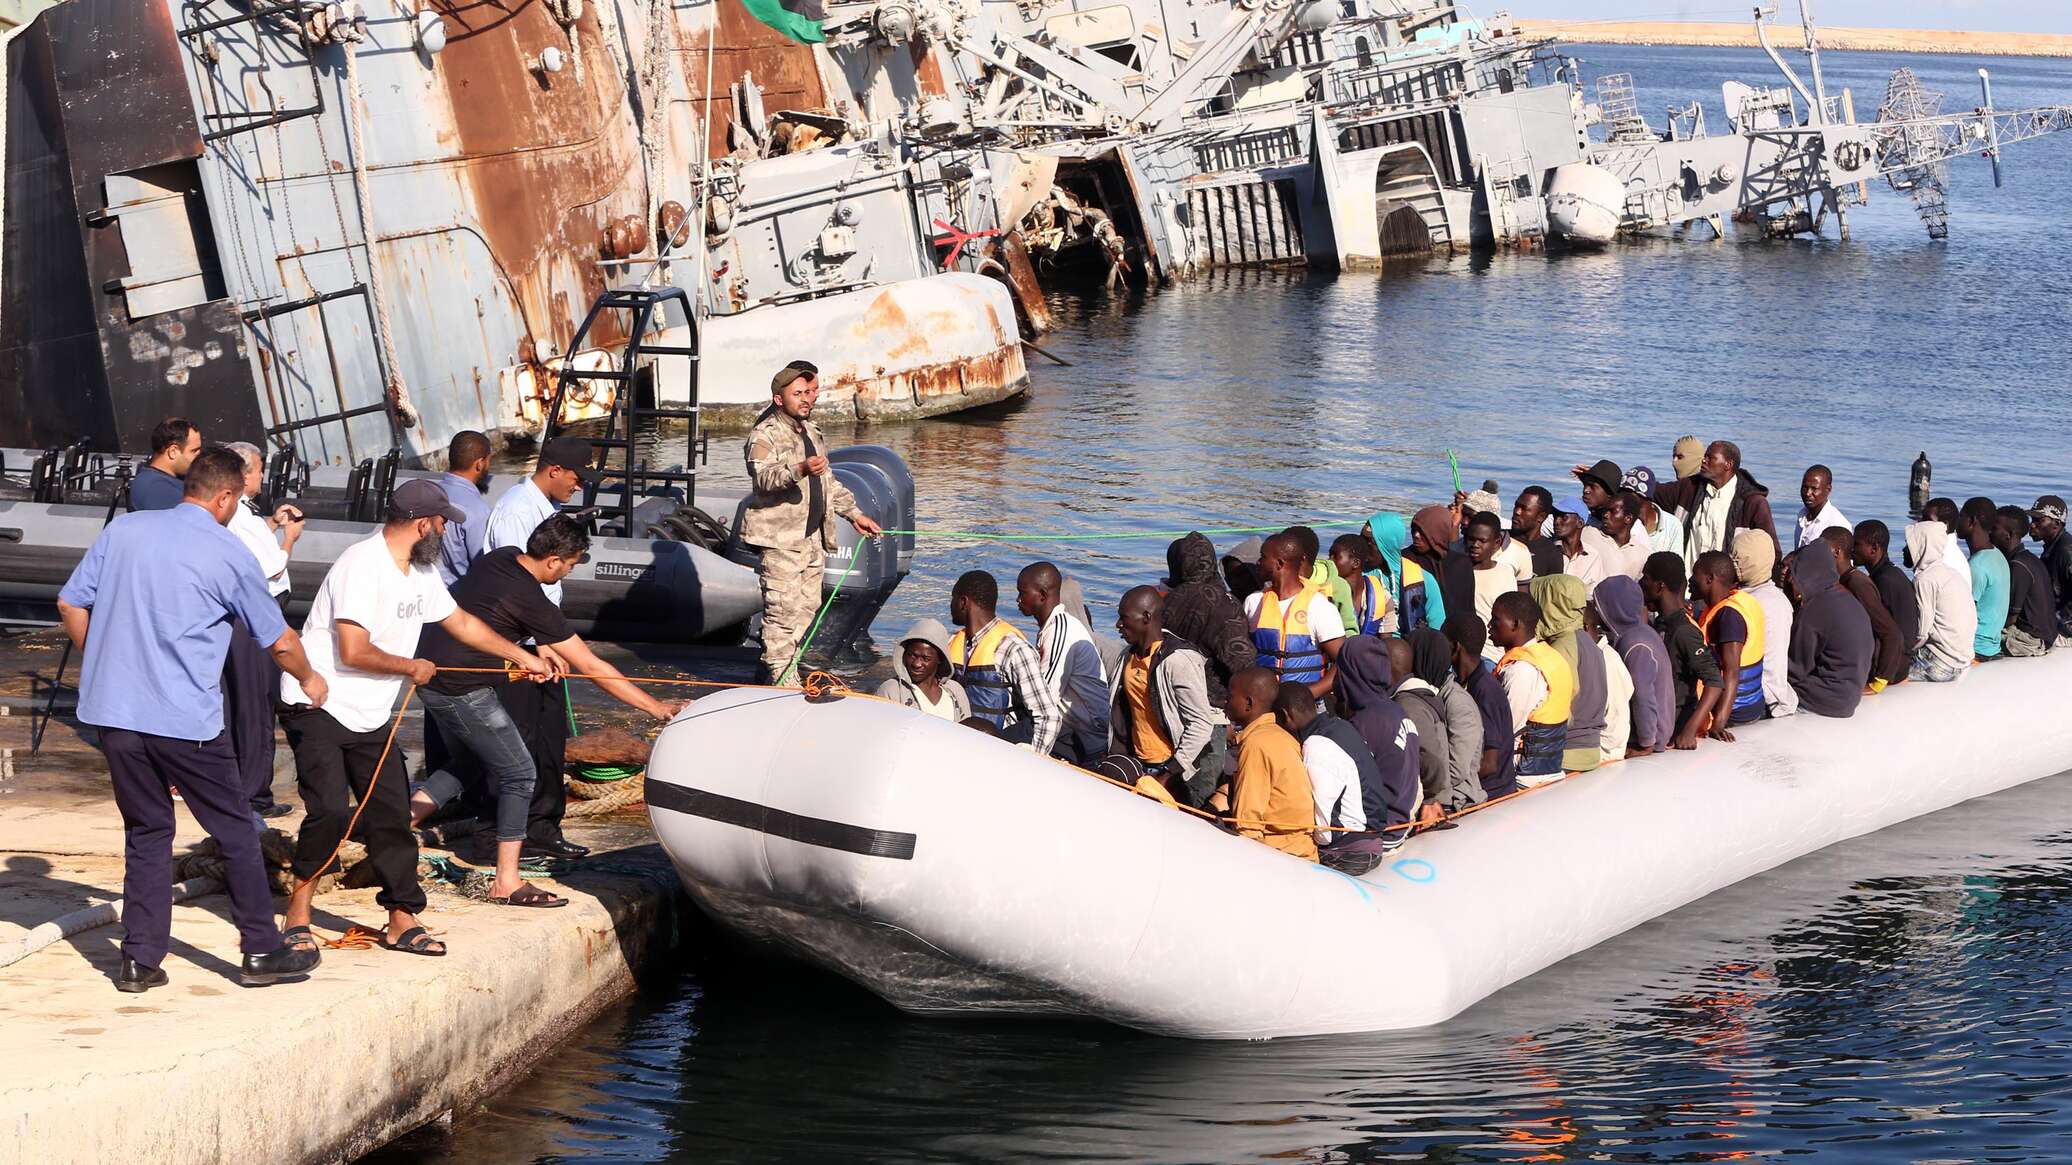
x=350 y=234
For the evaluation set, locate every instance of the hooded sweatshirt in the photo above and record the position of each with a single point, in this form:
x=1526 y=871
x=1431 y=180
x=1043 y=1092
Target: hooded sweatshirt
x=1364 y=682
x=1890 y=653
x=1949 y=619
x=1831 y=642
x=1624 y=612
x=1450 y=568
x=1755 y=563
x=1561 y=600
x=1200 y=609
x=900 y=689
x=1431 y=660
x=1346 y=739
x=1897 y=592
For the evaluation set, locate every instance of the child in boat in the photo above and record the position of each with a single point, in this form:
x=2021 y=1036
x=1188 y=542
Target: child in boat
x=1356 y=561
x=1271 y=799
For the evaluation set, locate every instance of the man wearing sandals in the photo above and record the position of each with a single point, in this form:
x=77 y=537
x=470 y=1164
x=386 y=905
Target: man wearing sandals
x=361 y=636
x=506 y=590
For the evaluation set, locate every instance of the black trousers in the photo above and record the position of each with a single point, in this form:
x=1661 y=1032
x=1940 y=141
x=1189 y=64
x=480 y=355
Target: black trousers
x=334 y=764
x=251 y=688
x=143 y=767
x=541 y=713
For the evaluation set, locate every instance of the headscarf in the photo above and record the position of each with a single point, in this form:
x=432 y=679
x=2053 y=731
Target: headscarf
x=1431 y=657
x=1561 y=598
x=1755 y=557
x=1390 y=533
x=1437 y=525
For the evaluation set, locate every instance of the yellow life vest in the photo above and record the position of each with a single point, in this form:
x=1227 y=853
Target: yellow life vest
x=1560 y=677
x=977 y=667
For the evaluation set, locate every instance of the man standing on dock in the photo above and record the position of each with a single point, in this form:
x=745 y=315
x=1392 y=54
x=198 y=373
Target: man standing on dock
x=363 y=630
x=467 y=470
x=150 y=606
x=175 y=443
x=789 y=515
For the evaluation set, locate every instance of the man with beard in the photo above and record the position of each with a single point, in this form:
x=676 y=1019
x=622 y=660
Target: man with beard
x=361 y=636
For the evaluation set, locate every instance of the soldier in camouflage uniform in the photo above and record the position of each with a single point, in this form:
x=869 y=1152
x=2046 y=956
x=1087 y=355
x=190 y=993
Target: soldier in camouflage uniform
x=791 y=515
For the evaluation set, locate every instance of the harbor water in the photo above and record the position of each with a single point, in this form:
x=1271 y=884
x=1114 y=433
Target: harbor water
x=1896 y=998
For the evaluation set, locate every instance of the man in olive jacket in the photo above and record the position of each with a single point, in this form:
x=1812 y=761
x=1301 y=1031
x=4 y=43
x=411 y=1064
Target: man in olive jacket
x=790 y=517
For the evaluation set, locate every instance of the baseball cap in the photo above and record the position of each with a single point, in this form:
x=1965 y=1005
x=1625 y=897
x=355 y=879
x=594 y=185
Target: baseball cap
x=1572 y=504
x=1604 y=473
x=421 y=497
x=1641 y=480
x=1689 y=455
x=1482 y=501
x=1246 y=551
x=2049 y=506
x=791 y=372
x=570 y=453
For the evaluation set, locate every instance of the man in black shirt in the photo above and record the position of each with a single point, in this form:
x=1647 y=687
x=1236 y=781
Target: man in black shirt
x=505 y=589
x=1872 y=551
x=1692 y=669
x=1528 y=514
x=2047 y=526
x=2032 y=616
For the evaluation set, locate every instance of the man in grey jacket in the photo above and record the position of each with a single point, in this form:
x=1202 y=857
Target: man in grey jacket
x=1159 y=711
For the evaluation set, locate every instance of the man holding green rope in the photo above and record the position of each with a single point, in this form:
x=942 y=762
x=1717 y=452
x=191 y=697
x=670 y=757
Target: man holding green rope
x=790 y=515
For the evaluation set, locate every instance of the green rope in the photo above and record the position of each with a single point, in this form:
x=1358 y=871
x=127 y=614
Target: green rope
x=600 y=773
x=1127 y=534
x=800 y=654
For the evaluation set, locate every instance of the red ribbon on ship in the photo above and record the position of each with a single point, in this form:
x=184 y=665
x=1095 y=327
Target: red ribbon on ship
x=954 y=238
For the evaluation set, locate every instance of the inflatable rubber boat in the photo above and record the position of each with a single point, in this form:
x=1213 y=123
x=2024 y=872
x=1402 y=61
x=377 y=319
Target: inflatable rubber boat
x=686 y=580
x=950 y=872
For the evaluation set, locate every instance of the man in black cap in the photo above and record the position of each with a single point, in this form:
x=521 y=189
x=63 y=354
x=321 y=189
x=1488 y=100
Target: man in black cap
x=789 y=517
x=1599 y=482
x=563 y=465
x=361 y=637
x=2047 y=526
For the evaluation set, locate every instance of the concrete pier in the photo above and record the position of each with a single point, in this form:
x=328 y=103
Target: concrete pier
x=374 y=1044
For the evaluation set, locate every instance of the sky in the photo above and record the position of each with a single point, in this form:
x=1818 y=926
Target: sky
x=1962 y=15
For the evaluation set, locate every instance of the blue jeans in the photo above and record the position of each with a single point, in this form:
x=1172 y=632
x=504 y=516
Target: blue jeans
x=475 y=722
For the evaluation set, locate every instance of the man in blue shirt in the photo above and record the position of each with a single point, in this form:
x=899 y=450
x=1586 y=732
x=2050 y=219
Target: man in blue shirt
x=175 y=443
x=467 y=472
x=150 y=606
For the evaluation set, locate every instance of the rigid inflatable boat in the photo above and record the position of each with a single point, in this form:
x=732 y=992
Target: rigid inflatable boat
x=950 y=872
x=685 y=580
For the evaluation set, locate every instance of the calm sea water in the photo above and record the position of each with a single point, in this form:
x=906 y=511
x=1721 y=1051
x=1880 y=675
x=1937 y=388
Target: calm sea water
x=1897 y=998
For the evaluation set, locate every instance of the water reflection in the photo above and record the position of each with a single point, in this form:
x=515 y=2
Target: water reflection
x=1896 y=997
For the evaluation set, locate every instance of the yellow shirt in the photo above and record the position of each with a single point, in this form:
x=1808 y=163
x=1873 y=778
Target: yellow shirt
x=1272 y=786
x=1152 y=745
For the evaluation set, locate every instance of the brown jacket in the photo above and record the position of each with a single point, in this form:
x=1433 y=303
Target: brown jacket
x=778 y=509
x=1271 y=797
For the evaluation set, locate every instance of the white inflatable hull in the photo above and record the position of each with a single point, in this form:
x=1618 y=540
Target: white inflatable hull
x=1585 y=204
x=950 y=872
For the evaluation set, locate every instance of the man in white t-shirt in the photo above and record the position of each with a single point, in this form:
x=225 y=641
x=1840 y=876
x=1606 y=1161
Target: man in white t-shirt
x=1495 y=574
x=1296 y=645
x=361 y=636
x=251 y=680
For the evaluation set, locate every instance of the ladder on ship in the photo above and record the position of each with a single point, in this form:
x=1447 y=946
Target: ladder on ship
x=629 y=471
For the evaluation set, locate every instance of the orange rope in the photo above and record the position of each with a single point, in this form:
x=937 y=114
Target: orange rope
x=819 y=684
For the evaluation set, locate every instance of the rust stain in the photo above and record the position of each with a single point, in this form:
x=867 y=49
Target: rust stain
x=927 y=70
x=549 y=164
x=782 y=68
